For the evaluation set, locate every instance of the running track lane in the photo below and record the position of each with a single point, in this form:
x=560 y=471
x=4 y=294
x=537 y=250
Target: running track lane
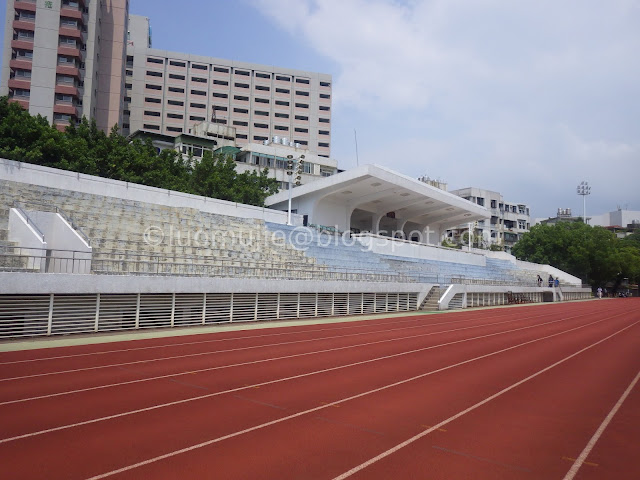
x=150 y=437
x=47 y=413
x=320 y=444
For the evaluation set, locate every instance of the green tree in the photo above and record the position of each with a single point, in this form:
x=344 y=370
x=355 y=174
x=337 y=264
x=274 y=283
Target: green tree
x=593 y=254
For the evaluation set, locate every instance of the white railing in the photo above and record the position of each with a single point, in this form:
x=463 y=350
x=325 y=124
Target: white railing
x=43 y=315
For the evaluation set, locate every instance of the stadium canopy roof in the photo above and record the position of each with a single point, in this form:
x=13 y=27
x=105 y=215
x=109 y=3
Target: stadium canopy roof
x=377 y=199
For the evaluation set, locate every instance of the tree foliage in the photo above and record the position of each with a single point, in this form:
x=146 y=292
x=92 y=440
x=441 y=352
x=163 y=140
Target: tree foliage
x=593 y=254
x=84 y=148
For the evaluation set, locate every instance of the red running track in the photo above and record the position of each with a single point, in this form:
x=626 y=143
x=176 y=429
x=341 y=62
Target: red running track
x=532 y=392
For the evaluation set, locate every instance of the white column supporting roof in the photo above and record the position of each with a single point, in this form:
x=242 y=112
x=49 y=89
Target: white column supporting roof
x=375 y=189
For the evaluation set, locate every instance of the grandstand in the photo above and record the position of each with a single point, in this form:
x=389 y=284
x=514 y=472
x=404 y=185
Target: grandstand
x=85 y=254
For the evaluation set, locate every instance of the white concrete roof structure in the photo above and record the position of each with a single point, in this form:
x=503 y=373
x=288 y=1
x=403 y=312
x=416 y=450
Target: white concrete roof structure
x=377 y=199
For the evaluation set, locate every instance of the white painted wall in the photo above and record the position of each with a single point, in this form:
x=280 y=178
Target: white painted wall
x=62 y=179
x=27 y=238
x=405 y=248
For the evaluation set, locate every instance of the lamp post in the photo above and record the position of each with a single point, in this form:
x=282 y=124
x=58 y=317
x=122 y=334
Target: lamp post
x=584 y=189
x=290 y=170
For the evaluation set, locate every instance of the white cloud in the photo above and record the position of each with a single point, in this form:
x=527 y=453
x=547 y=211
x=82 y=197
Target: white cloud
x=520 y=97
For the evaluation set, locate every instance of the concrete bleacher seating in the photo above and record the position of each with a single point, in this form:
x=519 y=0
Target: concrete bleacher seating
x=125 y=235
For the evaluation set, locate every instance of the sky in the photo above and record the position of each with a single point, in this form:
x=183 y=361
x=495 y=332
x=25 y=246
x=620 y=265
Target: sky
x=526 y=98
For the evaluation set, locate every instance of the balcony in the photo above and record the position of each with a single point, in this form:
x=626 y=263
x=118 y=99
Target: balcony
x=23 y=25
x=68 y=70
x=23 y=102
x=22 y=45
x=70 y=32
x=70 y=52
x=20 y=83
x=20 y=64
x=28 y=6
x=70 y=12
x=67 y=109
x=67 y=90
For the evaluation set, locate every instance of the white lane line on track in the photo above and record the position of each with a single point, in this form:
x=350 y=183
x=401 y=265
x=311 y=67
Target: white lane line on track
x=239 y=349
x=388 y=452
x=415 y=318
x=284 y=357
x=596 y=436
x=411 y=440
x=280 y=380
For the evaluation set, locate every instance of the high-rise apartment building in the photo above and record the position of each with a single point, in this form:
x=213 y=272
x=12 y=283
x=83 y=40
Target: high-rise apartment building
x=169 y=92
x=65 y=58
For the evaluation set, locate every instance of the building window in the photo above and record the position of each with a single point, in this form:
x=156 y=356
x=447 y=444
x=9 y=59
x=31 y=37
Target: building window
x=325 y=108
x=242 y=72
x=64 y=79
x=154 y=74
x=63 y=98
x=197 y=105
x=146 y=126
x=21 y=92
x=62 y=117
x=325 y=95
x=199 y=67
x=220 y=107
x=302 y=142
x=241 y=136
x=323 y=120
x=283 y=90
x=151 y=113
x=220 y=82
x=282 y=103
x=261 y=125
x=262 y=75
x=282 y=115
x=301 y=130
x=302 y=80
x=154 y=87
x=262 y=88
x=220 y=95
x=260 y=112
x=241 y=85
x=152 y=100
x=24 y=54
x=323 y=132
x=302 y=105
x=240 y=110
x=325 y=84
x=240 y=124
x=155 y=60
x=304 y=94
x=174 y=129
x=198 y=92
x=240 y=97
x=176 y=77
x=177 y=64
x=63 y=42
x=129 y=73
x=27 y=74
x=323 y=144
x=177 y=103
x=259 y=138
x=221 y=69
x=283 y=79
x=198 y=79
x=176 y=116
x=197 y=119
x=302 y=117
x=262 y=100
x=281 y=127
x=68 y=22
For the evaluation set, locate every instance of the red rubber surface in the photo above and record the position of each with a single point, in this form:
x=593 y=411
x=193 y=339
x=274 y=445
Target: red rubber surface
x=317 y=401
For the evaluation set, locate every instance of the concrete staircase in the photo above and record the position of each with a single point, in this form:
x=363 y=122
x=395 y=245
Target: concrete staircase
x=430 y=303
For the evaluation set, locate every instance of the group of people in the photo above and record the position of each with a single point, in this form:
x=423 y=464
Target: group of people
x=553 y=282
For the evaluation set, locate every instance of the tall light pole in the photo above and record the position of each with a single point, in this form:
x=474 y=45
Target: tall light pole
x=290 y=171
x=584 y=189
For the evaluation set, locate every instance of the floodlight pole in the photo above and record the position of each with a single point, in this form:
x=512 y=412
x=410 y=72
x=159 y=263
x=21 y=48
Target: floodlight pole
x=584 y=189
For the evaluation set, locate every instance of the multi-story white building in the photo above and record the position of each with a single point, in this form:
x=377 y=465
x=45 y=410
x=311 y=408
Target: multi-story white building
x=506 y=225
x=65 y=58
x=169 y=92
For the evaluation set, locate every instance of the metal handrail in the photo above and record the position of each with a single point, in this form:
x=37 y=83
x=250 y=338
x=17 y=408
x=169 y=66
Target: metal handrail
x=28 y=219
